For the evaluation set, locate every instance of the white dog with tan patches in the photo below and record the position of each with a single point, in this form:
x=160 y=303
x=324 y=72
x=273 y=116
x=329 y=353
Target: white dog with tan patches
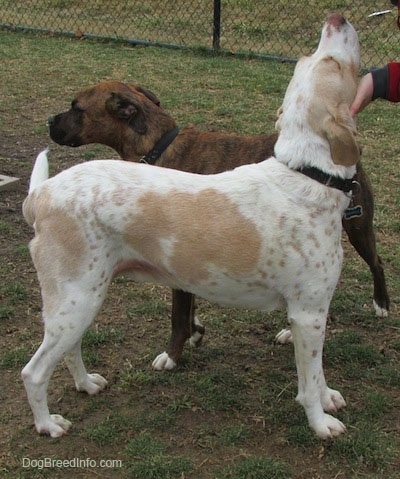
x=263 y=236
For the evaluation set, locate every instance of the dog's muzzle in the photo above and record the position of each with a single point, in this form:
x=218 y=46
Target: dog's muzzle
x=64 y=131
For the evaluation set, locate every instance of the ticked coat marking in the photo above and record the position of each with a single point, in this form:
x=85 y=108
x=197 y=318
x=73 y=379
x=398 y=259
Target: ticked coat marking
x=262 y=236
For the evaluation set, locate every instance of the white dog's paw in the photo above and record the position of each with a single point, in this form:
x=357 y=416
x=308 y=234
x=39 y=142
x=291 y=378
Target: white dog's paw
x=329 y=428
x=284 y=337
x=55 y=426
x=197 y=336
x=163 y=362
x=380 y=312
x=93 y=384
x=332 y=400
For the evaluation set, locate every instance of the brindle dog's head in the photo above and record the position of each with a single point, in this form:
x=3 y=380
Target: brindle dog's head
x=113 y=114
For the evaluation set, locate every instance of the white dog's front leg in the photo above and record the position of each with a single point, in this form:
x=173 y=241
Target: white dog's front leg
x=284 y=337
x=313 y=394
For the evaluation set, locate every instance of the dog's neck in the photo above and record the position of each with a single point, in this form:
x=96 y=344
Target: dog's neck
x=132 y=145
x=345 y=185
x=309 y=151
x=154 y=155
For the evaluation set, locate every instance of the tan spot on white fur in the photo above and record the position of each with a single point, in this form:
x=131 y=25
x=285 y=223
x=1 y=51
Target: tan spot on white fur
x=202 y=230
x=58 y=248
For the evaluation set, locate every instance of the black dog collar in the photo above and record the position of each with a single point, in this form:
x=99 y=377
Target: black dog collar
x=160 y=147
x=328 y=180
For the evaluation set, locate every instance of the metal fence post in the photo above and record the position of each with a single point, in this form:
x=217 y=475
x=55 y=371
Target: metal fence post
x=217 y=25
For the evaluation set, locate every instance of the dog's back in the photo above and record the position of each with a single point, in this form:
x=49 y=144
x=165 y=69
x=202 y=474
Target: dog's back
x=208 y=153
x=151 y=220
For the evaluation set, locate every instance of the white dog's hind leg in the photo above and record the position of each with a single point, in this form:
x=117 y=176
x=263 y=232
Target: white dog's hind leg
x=36 y=376
x=64 y=328
x=308 y=331
x=90 y=383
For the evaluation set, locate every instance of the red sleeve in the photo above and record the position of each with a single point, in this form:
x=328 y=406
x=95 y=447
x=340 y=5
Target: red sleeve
x=394 y=82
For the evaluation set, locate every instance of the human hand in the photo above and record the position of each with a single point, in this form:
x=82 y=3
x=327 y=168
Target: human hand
x=364 y=94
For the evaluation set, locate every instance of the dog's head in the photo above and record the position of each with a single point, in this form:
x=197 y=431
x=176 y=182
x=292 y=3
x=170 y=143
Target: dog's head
x=101 y=113
x=315 y=112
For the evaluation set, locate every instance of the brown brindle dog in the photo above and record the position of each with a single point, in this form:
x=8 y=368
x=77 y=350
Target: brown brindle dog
x=129 y=119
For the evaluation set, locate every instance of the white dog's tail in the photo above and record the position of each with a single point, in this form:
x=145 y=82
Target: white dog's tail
x=40 y=172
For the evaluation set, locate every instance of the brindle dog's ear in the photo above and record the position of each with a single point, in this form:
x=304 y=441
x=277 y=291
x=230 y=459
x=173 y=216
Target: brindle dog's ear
x=149 y=94
x=127 y=108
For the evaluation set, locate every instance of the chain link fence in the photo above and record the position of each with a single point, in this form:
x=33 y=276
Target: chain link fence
x=279 y=29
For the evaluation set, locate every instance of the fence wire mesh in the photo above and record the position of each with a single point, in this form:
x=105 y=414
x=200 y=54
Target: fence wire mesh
x=279 y=29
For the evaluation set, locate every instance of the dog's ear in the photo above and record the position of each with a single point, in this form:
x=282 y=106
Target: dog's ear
x=149 y=94
x=340 y=130
x=125 y=107
x=278 y=121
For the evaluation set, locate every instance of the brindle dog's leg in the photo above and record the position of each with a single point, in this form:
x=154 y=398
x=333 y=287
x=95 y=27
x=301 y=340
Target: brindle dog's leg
x=361 y=235
x=185 y=325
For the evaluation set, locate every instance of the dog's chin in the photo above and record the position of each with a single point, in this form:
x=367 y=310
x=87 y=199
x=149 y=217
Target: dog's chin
x=65 y=141
x=74 y=144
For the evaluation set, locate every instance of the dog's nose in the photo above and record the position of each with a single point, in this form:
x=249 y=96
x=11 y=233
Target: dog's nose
x=50 y=119
x=336 y=20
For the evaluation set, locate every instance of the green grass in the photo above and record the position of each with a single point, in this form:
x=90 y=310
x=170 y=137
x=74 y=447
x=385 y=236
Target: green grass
x=367 y=448
x=14 y=292
x=349 y=348
x=15 y=358
x=147 y=309
x=6 y=311
x=257 y=468
x=106 y=432
x=144 y=445
x=22 y=251
x=4 y=227
x=149 y=459
x=10 y=295
x=235 y=435
x=96 y=337
x=129 y=379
